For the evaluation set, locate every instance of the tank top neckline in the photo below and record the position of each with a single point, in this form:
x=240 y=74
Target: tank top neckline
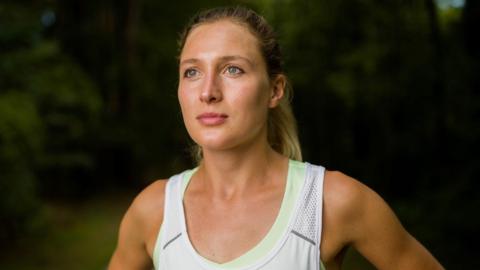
x=275 y=235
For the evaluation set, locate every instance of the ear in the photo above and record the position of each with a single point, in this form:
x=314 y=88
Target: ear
x=277 y=90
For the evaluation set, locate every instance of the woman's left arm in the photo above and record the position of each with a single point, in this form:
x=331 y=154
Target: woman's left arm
x=375 y=231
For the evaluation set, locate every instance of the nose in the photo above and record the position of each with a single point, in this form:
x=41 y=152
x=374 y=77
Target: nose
x=211 y=90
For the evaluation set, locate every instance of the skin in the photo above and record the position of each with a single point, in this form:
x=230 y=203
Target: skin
x=235 y=195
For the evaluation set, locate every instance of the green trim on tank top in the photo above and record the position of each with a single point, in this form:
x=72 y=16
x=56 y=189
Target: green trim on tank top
x=293 y=186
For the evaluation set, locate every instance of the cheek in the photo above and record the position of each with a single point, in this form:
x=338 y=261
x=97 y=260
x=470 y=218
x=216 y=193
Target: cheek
x=181 y=101
x=185 y=106
x=252 y=101
x=184 y=99
x=259 y=99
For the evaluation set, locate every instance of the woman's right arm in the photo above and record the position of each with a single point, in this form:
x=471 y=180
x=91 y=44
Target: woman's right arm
x=139 y=229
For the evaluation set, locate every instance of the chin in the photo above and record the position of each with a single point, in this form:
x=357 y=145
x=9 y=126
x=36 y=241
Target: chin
x=224 y=144
x=217 y=141
x=215 y=144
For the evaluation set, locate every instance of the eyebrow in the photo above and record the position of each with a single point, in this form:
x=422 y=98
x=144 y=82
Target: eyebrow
x=222 y=59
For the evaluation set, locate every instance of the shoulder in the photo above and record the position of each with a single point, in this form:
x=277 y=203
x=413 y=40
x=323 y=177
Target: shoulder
x=346 y=202
x=354 y=205
x=356 y=209
x=146 y=210
x=344 y=194
x=349 y=210
x=144 y=217
x=139 y=228
x=150 y=198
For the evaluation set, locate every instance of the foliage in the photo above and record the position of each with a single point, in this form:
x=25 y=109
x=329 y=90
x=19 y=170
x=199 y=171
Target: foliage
x=48 y=107
x=74 y=227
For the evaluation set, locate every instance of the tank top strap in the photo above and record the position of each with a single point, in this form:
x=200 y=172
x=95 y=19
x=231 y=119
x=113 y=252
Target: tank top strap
x=172 y=226
x=308 y=222
x=170 y=229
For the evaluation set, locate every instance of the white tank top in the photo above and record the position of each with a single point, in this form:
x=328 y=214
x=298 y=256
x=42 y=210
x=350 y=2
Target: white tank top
x=293 y=242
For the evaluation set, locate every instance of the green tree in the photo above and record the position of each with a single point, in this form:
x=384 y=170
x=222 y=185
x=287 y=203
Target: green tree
x=48 y=108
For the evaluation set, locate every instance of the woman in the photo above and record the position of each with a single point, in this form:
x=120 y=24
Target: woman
x=251 y=203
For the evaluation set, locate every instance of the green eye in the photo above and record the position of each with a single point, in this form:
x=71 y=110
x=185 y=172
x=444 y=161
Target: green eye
x=234 y=70
x=189 y=73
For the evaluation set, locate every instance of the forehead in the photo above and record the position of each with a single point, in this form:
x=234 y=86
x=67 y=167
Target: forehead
x=219 y=39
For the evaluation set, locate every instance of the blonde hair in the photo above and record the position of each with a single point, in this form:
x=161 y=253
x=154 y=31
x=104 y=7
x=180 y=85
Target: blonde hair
x=281 y=124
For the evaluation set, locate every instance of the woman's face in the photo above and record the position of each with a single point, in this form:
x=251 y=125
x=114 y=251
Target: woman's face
x=224 y=89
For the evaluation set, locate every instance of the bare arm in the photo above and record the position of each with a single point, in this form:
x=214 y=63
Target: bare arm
x=131 y=250
x=371 y=227
x=138 y=230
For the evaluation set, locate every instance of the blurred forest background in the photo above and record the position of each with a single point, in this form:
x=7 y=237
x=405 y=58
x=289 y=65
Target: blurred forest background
x=385 y=91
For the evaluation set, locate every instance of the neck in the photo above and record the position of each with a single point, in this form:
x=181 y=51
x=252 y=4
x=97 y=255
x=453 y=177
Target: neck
x=234 y=173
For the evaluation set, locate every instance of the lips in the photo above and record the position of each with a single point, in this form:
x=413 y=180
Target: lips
x=212 y=119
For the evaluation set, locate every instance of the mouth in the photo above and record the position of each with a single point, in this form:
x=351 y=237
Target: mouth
x=212 y=119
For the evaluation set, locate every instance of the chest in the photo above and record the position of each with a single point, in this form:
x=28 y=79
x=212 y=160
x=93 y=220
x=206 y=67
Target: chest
x=222 y=231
